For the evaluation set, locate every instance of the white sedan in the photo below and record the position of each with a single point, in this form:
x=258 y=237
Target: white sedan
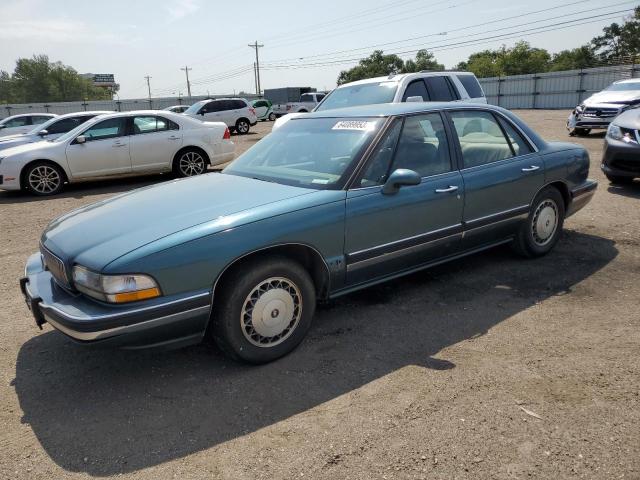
x=22 y=123
x=118 y=144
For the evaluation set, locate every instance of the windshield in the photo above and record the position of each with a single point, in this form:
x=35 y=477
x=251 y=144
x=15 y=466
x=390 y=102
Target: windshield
x=307 y=152
x=364 y=94
x=193 y=109
x=623 y=87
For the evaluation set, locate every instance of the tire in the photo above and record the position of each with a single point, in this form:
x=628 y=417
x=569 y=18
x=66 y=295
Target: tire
x=44 y=179
x=302 y=111
x=619 y=179
x=242 y=126
x=272 y=117
x=543 y=227
x=580 y=132
x=272 y=288
x=190 y=162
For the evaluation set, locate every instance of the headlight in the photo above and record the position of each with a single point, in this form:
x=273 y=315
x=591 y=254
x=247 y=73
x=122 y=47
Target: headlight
x=580 y=109
x=115 y=288
x=619 y=133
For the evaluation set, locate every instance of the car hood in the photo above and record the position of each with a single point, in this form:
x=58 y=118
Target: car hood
x=15 y=140
x=605 y=97
x=629 y=119
x=27 y=147
x=100 y=233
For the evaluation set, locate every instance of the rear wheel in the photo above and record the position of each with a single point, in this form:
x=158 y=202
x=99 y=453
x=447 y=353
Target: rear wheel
x=619 y=179
x=543 y=227
x=272 y=117
x=189 y=162
x=242 y=126
x=44 y=178
x=263 y=310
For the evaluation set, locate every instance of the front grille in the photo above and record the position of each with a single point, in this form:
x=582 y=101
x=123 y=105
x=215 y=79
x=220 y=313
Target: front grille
x=593 y=112
x=626 y=165
x=55 y=266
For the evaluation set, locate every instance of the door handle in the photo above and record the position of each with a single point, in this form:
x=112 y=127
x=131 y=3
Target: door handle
x=451 y=188
x=174 y=138
x=119 y=145
x=532 y=168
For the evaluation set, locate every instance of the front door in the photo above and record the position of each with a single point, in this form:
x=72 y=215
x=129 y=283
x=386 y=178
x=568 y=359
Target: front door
x=154 y=142
x=261 y=108
x=389 y=233
x=104 y=152
x=501 y=171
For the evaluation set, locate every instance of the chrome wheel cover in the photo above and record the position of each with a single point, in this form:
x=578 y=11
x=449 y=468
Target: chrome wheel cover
x=271 y=312
x=545 y=222
x=191 y=163
x=44 y=179
x=243 y=127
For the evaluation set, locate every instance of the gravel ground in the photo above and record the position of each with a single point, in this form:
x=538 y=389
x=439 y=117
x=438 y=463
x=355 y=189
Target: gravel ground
x=488 y=367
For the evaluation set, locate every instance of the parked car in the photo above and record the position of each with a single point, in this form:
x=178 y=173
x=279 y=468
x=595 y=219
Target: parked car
x=23 y=123
x=264 y=109
x=49 y=130
x=237 y=113
x=597 y=111
x=332 y=202
x=117 y=144
x=307 y=102
x=621 y=156
x=177 y=108
x=409 y=87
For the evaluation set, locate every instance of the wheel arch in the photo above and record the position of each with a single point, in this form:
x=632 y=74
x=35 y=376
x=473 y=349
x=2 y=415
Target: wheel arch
x=200 y=150
x=306 y=255
x=562 y=187
x=26 y=166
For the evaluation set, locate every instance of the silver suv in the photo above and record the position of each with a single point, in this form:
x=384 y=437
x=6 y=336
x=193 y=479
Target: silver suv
x=237 y=113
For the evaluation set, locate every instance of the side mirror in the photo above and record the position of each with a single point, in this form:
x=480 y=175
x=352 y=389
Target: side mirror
x=43 y=133
x=401 y=177
x=201 y=112
x=81 y=139
x=2 y=126
x=415 y=99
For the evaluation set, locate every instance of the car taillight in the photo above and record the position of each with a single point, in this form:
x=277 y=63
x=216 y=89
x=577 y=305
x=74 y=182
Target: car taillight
x=252 y=110
x=227 y=134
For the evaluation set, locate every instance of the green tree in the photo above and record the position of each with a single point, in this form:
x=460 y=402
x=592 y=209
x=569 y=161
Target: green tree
x=517 y=60
x=483 y=64
x=619 y=41
x=425 y=60
x=376 y=65
x=36 y=79
x=581 y=57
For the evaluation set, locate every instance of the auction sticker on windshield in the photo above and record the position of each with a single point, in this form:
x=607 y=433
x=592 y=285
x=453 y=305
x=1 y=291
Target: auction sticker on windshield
x=362 y=125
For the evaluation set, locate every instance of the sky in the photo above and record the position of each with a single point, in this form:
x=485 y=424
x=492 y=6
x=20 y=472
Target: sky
x=303 y=45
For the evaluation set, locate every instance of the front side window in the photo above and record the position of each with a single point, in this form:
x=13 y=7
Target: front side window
x=416 y=89
x=423 y=146
x=481 y=138
x=377 y=169
x=195 y=108
x=313 y=153
x=17 y=122
x=439 y=89
x=111 y=128
x=65 y=125
x=364 y=94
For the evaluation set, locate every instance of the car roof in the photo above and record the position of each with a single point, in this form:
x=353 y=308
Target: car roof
x=629 y=80
x=397 y=77
x=38 y=114
x=82 y=114
x=390 y=109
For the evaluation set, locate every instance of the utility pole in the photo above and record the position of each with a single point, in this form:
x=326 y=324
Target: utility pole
x=257 y=46
x=255 y=77
x=148 y=78
x=186 y=70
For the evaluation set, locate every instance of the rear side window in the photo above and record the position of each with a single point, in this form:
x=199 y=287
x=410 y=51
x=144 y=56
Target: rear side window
x=416 y=89
x=237 y=104
x=306 y=98
x=37 y=119
x=439 y=89
x=17 y=122
x=471 y=85
x=519 y=144
x=481 y=138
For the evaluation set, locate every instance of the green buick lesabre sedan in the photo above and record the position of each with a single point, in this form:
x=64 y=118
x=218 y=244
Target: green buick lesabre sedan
x=332 y=202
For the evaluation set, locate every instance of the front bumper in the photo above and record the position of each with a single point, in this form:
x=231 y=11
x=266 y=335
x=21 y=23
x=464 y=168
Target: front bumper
x=166 y=322
x=580 y=196
x=620 y=158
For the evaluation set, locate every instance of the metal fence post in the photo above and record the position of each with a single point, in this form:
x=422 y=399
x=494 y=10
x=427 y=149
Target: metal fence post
x=580 y=84
x=535 y=91
x=499 y=88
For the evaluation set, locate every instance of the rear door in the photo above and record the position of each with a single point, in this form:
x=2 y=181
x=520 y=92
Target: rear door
x=388 y=233
x=261 y=108
x=501 y=170
x=154 y=141
x=105 y=151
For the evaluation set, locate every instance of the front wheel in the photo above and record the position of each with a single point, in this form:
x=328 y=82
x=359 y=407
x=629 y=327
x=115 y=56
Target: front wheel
x=263 y=310
x=580 y=132
x=44 y=178
x=242 y=126
x=542 y=229
x=619 y=179
x=189 y=163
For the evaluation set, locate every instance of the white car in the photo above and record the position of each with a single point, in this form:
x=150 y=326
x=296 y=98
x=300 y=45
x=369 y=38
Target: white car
x=177 y=108
x=49 y=130
x=118 y=144
x=426 y=86
x=237 y=113
x=23 y=123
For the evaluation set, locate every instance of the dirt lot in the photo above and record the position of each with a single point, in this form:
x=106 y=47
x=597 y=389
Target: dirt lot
x=426 y=377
